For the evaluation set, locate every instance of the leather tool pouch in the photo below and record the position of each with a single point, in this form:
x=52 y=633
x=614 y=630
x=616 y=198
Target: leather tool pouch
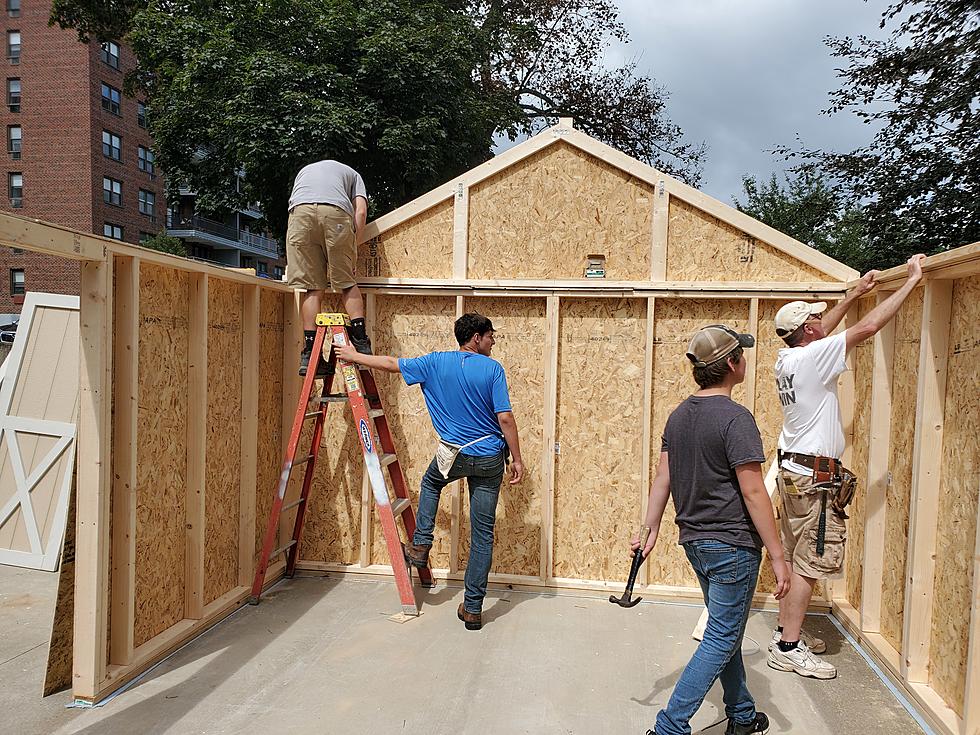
x=845 y=492
x=825 y=470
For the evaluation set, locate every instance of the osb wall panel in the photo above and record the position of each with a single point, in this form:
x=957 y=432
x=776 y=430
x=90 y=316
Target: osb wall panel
x=332 y=532
x=521 y=327
x=161 y=450
x=905 y=373
x=419 y=248
x=956 y=537
x=862 y=363
x=675 y=320
x=222 y=469
x=269 y=448
x=768 y=411
x=542 y=217
x=409 y=326
x=600 y=399
x=702 y=247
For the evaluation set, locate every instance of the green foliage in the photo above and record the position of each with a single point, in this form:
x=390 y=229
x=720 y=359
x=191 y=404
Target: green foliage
x=813 y=212
x=165 y=244
x=918 y=180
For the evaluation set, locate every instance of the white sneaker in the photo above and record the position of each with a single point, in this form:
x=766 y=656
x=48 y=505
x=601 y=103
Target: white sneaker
x=802 y=662
x=816 y=645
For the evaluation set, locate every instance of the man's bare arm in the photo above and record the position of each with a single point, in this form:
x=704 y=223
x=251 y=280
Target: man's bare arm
x=834 y=314
x=659 y=493
x=879 y=316
x=375 y=362
x=753 y=488
x=360 y=214
x=508 y=426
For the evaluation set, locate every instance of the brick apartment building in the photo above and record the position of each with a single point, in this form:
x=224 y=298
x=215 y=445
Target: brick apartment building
x=77 y=150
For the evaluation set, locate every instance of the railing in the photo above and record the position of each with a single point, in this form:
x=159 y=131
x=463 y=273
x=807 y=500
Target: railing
x=259 y=242
x=268 y=245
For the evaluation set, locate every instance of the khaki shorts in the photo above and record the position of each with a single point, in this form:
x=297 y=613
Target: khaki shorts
x=320 y=248
x=798 y=524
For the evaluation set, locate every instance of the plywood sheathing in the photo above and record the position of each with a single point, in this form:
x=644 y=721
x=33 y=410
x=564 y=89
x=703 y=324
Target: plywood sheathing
x=222 y=471
x=699 y=244
x=599 y=432
x=332 y=532
x=675 y=321
x=542 y=217
x=905 y=374
x=862 y=363
x=409 y=326
x=161 y=450
x=57 y=673
x=269 y=444
x=419 y=248
x=956 y=535
x=521 y=327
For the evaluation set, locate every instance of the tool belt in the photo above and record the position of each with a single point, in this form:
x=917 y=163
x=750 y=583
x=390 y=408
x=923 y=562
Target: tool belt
x=832 y=478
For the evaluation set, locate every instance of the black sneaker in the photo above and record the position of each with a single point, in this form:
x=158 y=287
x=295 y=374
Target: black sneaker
x=361 y=345
x=759 y=724
x=304 y=365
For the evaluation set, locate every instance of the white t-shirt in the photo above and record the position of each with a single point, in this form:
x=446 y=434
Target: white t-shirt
x=328 y=182
x=806 y=380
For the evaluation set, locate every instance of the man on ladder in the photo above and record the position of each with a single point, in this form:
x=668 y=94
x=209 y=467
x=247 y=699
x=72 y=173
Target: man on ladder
x=466 y=394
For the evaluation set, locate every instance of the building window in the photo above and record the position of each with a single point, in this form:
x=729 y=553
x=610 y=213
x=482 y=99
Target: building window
x=13 y=8
x=144 y=236
x=111 y=98
x=146 y=159
x=13 y=46
x=17 y=286
x=110 y=53
x=13 y=94
x=15 y=187
x=141 y=114
x=148 y=202
x=199 y=251
x=111 y=191
x=262 y=268
x=13 y=141
x=111 y=145
x=113 y=231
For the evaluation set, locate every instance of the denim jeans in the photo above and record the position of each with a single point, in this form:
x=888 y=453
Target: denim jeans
x=483 y=476
x=727 y=575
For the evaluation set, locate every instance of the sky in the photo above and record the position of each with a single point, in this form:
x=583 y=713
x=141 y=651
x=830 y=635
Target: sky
x=746 y=76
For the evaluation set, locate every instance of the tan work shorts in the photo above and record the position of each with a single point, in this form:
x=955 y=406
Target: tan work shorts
x=798 y=523
x=320 y=248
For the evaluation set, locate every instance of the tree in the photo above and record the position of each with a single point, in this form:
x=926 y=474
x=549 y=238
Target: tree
x=409 y=93
x=165 y=244
x=918 y=179
x=810 y=210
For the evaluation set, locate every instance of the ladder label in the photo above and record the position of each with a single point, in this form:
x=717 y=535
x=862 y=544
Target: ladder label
x=366 y=436
x=350 y=378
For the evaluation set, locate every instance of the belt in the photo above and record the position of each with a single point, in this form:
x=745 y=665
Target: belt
x=823 y=464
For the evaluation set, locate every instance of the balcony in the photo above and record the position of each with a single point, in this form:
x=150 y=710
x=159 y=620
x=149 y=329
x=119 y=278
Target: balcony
x=220 y=235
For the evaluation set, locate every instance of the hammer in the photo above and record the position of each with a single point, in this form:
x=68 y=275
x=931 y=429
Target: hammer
x=626 y=600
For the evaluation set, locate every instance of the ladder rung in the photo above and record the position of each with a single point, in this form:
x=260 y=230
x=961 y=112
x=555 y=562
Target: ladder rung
x=281 y=549
x=399 y=506
x=333 y=398
x=305 y=459
x=375 y=412
x=310 y=415
x=387 y=459
x=289 y=506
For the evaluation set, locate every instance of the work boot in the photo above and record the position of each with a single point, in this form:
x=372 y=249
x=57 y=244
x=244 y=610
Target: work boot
x=801 y=661
x=815 y=644
x=361 y=345
x=417 y=554
x=472 y=621
x=759 y=724
x=304 y=365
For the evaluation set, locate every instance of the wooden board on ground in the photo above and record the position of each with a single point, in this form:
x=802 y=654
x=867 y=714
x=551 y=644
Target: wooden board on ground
x=57 y=673
x=542 y=218
x=599 y=435
x=905 y=374
x=521 y=329
x=956 y=536
x=161 y=473
x=38 y=412
x=409 y=326
x=701 y=247
x=419 y=248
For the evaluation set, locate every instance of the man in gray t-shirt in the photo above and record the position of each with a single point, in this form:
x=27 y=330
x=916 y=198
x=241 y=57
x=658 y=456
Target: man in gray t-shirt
x=327 y=209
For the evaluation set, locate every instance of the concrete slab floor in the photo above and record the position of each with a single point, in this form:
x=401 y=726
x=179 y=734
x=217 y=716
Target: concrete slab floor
x=319 y=655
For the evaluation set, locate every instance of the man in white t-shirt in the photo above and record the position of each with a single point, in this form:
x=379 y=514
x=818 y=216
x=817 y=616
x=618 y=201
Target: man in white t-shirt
x=810 y=446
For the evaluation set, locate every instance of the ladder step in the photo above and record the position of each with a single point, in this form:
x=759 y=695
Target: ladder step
x=387 y=459
x=281 y=549
x=375 y=412
x=310 y=415
x=289 y=506
x=333 y=398
x=305 y=459
x=399 y=506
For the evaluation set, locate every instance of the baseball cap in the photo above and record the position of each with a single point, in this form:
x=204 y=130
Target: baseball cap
x=792 y=315
x=712 y=343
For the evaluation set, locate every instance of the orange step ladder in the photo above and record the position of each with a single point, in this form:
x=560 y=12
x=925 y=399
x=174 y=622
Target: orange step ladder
x=361 y=392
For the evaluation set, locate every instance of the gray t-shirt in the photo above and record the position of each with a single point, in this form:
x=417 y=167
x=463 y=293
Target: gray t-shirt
x=328 y=182
x=706 y=438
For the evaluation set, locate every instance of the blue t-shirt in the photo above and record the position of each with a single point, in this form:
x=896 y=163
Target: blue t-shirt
x=464 y=392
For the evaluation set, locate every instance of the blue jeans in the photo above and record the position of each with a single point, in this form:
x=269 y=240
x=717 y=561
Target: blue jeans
x=727 y=575
x=483 y=476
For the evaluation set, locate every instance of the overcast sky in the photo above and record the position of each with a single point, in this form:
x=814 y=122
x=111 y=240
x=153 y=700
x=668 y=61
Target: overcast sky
x=745 y=76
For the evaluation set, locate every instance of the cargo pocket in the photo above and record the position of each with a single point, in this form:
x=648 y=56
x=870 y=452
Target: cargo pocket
x=833 y=547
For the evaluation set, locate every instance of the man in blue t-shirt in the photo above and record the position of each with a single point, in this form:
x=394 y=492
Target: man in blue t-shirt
x=466 y=394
